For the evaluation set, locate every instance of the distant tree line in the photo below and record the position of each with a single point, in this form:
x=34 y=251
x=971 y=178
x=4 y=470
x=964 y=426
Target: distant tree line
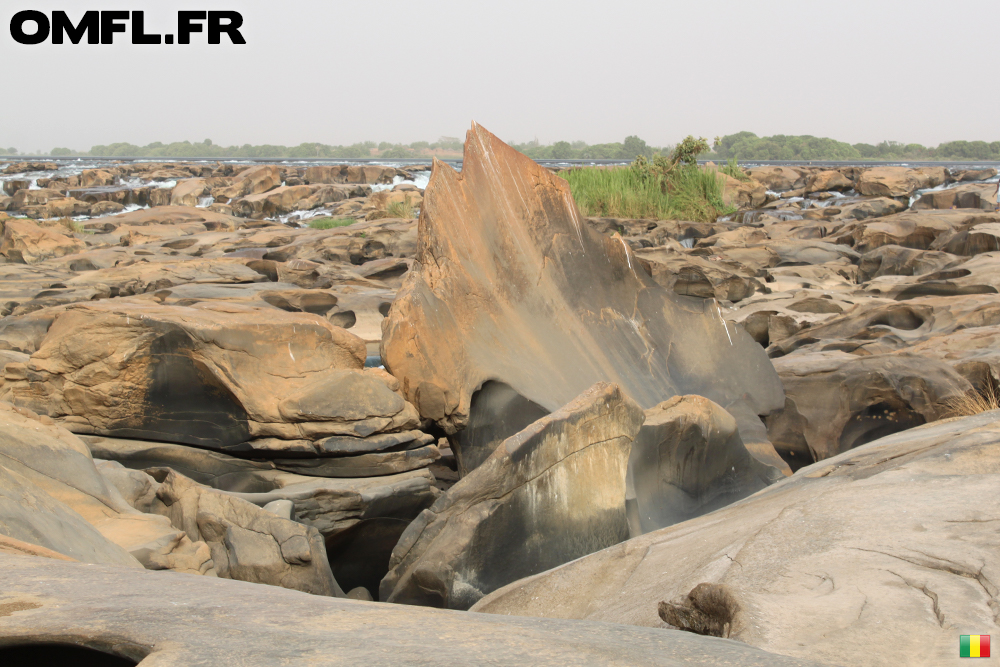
x=187 y=149
x=748 y=146
x=742 y=146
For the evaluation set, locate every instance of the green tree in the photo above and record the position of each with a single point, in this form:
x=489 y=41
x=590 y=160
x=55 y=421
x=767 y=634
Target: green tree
x=561 y=150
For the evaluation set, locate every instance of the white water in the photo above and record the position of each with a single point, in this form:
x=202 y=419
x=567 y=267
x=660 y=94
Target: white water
x=420 y=179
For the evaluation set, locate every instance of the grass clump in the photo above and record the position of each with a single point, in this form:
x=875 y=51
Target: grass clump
x=664 y=188
x=72 y=226
x=732 y=168
x=401 y=209
x=330 y=223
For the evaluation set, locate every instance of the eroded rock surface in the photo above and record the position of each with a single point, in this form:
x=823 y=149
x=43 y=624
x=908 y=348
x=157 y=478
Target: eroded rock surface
x=887 y=539
x=548 y=494
x=688 y=460
x=208 y=376
x=511 y=286
x=122 y=613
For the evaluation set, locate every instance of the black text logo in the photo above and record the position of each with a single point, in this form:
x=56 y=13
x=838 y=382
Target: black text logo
x=34 y=27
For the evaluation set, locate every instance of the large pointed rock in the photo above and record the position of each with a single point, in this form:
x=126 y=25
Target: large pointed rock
x=512 y=288
x=549 y=494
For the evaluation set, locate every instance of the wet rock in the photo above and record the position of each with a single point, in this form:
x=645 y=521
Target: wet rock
x=547 y=495
x=12 y=186
x=529 y=297
x=886 y=538
x=966 y=175
x=971 y=195
x=689 y=460
x=891 y=182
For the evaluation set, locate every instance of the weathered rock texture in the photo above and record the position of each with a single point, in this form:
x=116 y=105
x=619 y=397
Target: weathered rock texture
x=511 y=287
x=247 y=542
x=220 y=376
x=547 y=495
x=360 y=519
x=27 y=243
x=890 y=539
x=53 y=495
x=688 y=460
x=217 y=622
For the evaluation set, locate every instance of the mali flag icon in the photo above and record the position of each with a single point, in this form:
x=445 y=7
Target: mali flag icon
x=974 y=646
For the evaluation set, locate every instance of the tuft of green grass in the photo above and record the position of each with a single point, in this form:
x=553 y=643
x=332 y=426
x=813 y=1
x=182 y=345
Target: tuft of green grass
x=72 y=225
x=733 y=169
x=330 y=223
x=660 y=190
x=401 y=209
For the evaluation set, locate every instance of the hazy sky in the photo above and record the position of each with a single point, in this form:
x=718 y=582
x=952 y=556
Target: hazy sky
x=401 y=71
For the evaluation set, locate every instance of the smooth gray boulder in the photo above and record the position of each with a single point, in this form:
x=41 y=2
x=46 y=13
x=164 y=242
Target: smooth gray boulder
x=548 y=494
x=897 y=538
x=181 y=620
x=688 y=460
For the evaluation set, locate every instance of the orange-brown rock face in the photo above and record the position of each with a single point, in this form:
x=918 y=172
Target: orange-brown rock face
x=514 y=297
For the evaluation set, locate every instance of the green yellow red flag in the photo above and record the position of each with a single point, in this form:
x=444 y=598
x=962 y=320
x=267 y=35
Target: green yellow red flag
x=974 y=646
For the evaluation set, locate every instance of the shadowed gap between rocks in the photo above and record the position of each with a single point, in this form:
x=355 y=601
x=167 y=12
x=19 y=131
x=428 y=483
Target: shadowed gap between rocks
x=359 y=555
x=497 y=412
x=50 y=654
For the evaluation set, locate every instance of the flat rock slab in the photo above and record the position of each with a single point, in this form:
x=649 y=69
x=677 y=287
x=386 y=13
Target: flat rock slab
x=180 y=620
